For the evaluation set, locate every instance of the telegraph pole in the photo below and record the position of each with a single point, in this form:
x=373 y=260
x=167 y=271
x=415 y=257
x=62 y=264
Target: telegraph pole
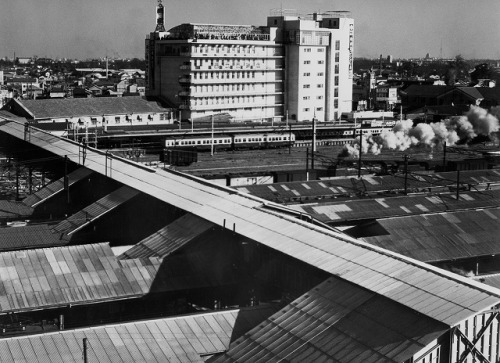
x=212 y=142
x=360 y=151
x=406 y=173
x=85 y=358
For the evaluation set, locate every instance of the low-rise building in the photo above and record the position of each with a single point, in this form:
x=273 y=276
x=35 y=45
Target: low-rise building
x=65 y=115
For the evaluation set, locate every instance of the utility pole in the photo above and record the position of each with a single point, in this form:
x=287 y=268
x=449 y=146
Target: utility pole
x=17 y=180
x=444 y=156
x=212 y=142
x=360 y=151
x=313 y=141
x=458 y=184
x=406 y=173
x=85 y=358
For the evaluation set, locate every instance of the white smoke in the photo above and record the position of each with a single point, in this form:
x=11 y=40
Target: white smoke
x=477 y=121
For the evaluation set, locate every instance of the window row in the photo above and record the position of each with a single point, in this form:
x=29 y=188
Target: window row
x=307 y=109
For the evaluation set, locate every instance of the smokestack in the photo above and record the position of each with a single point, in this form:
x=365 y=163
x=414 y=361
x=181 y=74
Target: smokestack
x=160 y=27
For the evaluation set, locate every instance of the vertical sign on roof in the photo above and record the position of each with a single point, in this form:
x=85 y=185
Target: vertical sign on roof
x=351 y=41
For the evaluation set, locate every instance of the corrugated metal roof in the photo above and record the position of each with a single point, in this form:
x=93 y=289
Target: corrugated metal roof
x=448 y=298
x=30 y=236
x=14 y=210
x=170 y=238
x=296 y=191
x=339 y=322
x=55 y=187
x=44 y=278
x=183 y=339
x=367 y=209
x=442 y=236
x=95 y=210
x=99 y=106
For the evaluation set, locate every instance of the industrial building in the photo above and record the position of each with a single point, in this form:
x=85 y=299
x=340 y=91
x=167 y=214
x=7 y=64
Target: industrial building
x=294 y=67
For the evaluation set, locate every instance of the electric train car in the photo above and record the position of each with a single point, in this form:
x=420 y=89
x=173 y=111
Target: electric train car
x=200 y=143
x=236 y=141
x=265 y=141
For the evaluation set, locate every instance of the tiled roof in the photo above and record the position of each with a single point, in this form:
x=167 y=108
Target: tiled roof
x=427 y=90
x=43 y=278
x=99 y=106
x=184 y=339
x=442 y=236
x=336 y=322
x=427 y=290
x=30 y=236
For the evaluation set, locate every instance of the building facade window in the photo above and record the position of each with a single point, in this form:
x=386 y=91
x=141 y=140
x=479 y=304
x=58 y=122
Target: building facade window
x=335 y=92
x=306 y=109
x=335 y=103
x=337 y=45
x=321 y=50
x=306 y=86
x=320 y=85
x=336 y=69
x=320 y=74
x=336 y=80
x=321 y=62
x=337 y=57
x=305 y=98
x=307 y=50
x=307 y=62
x=307 y=74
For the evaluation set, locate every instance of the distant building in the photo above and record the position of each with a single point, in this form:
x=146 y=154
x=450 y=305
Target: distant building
x=60 y=116
x=296 y=67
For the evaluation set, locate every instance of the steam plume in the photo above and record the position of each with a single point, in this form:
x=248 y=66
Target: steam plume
x=477 y=121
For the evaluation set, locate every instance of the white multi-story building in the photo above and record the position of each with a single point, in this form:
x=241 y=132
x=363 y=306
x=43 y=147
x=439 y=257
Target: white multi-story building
x=294 y=67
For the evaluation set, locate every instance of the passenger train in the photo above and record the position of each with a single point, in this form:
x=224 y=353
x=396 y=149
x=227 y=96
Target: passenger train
x=231 y=142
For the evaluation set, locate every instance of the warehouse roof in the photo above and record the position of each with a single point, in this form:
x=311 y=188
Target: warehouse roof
x=51 y=277
x=96 y=210
x=10 y=209
x=307 y=190
x=430 y=291
x=336 y=322
x=170 y=238
x=98 y=106
x=183 y=339
x=368 y=209
x=440 y=236
x=55 y=187
x=29 y=236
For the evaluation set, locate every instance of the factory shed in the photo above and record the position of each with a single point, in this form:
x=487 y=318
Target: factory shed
x=341 y=319
x=184 y=339
x=351 y=212
x=46 y=278
x=437 y=236
x=412 y=285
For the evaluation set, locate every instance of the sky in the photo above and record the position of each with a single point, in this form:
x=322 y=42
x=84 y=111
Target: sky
x=117 y=28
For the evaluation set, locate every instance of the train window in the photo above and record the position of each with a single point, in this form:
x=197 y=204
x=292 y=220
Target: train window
x=244 y=140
